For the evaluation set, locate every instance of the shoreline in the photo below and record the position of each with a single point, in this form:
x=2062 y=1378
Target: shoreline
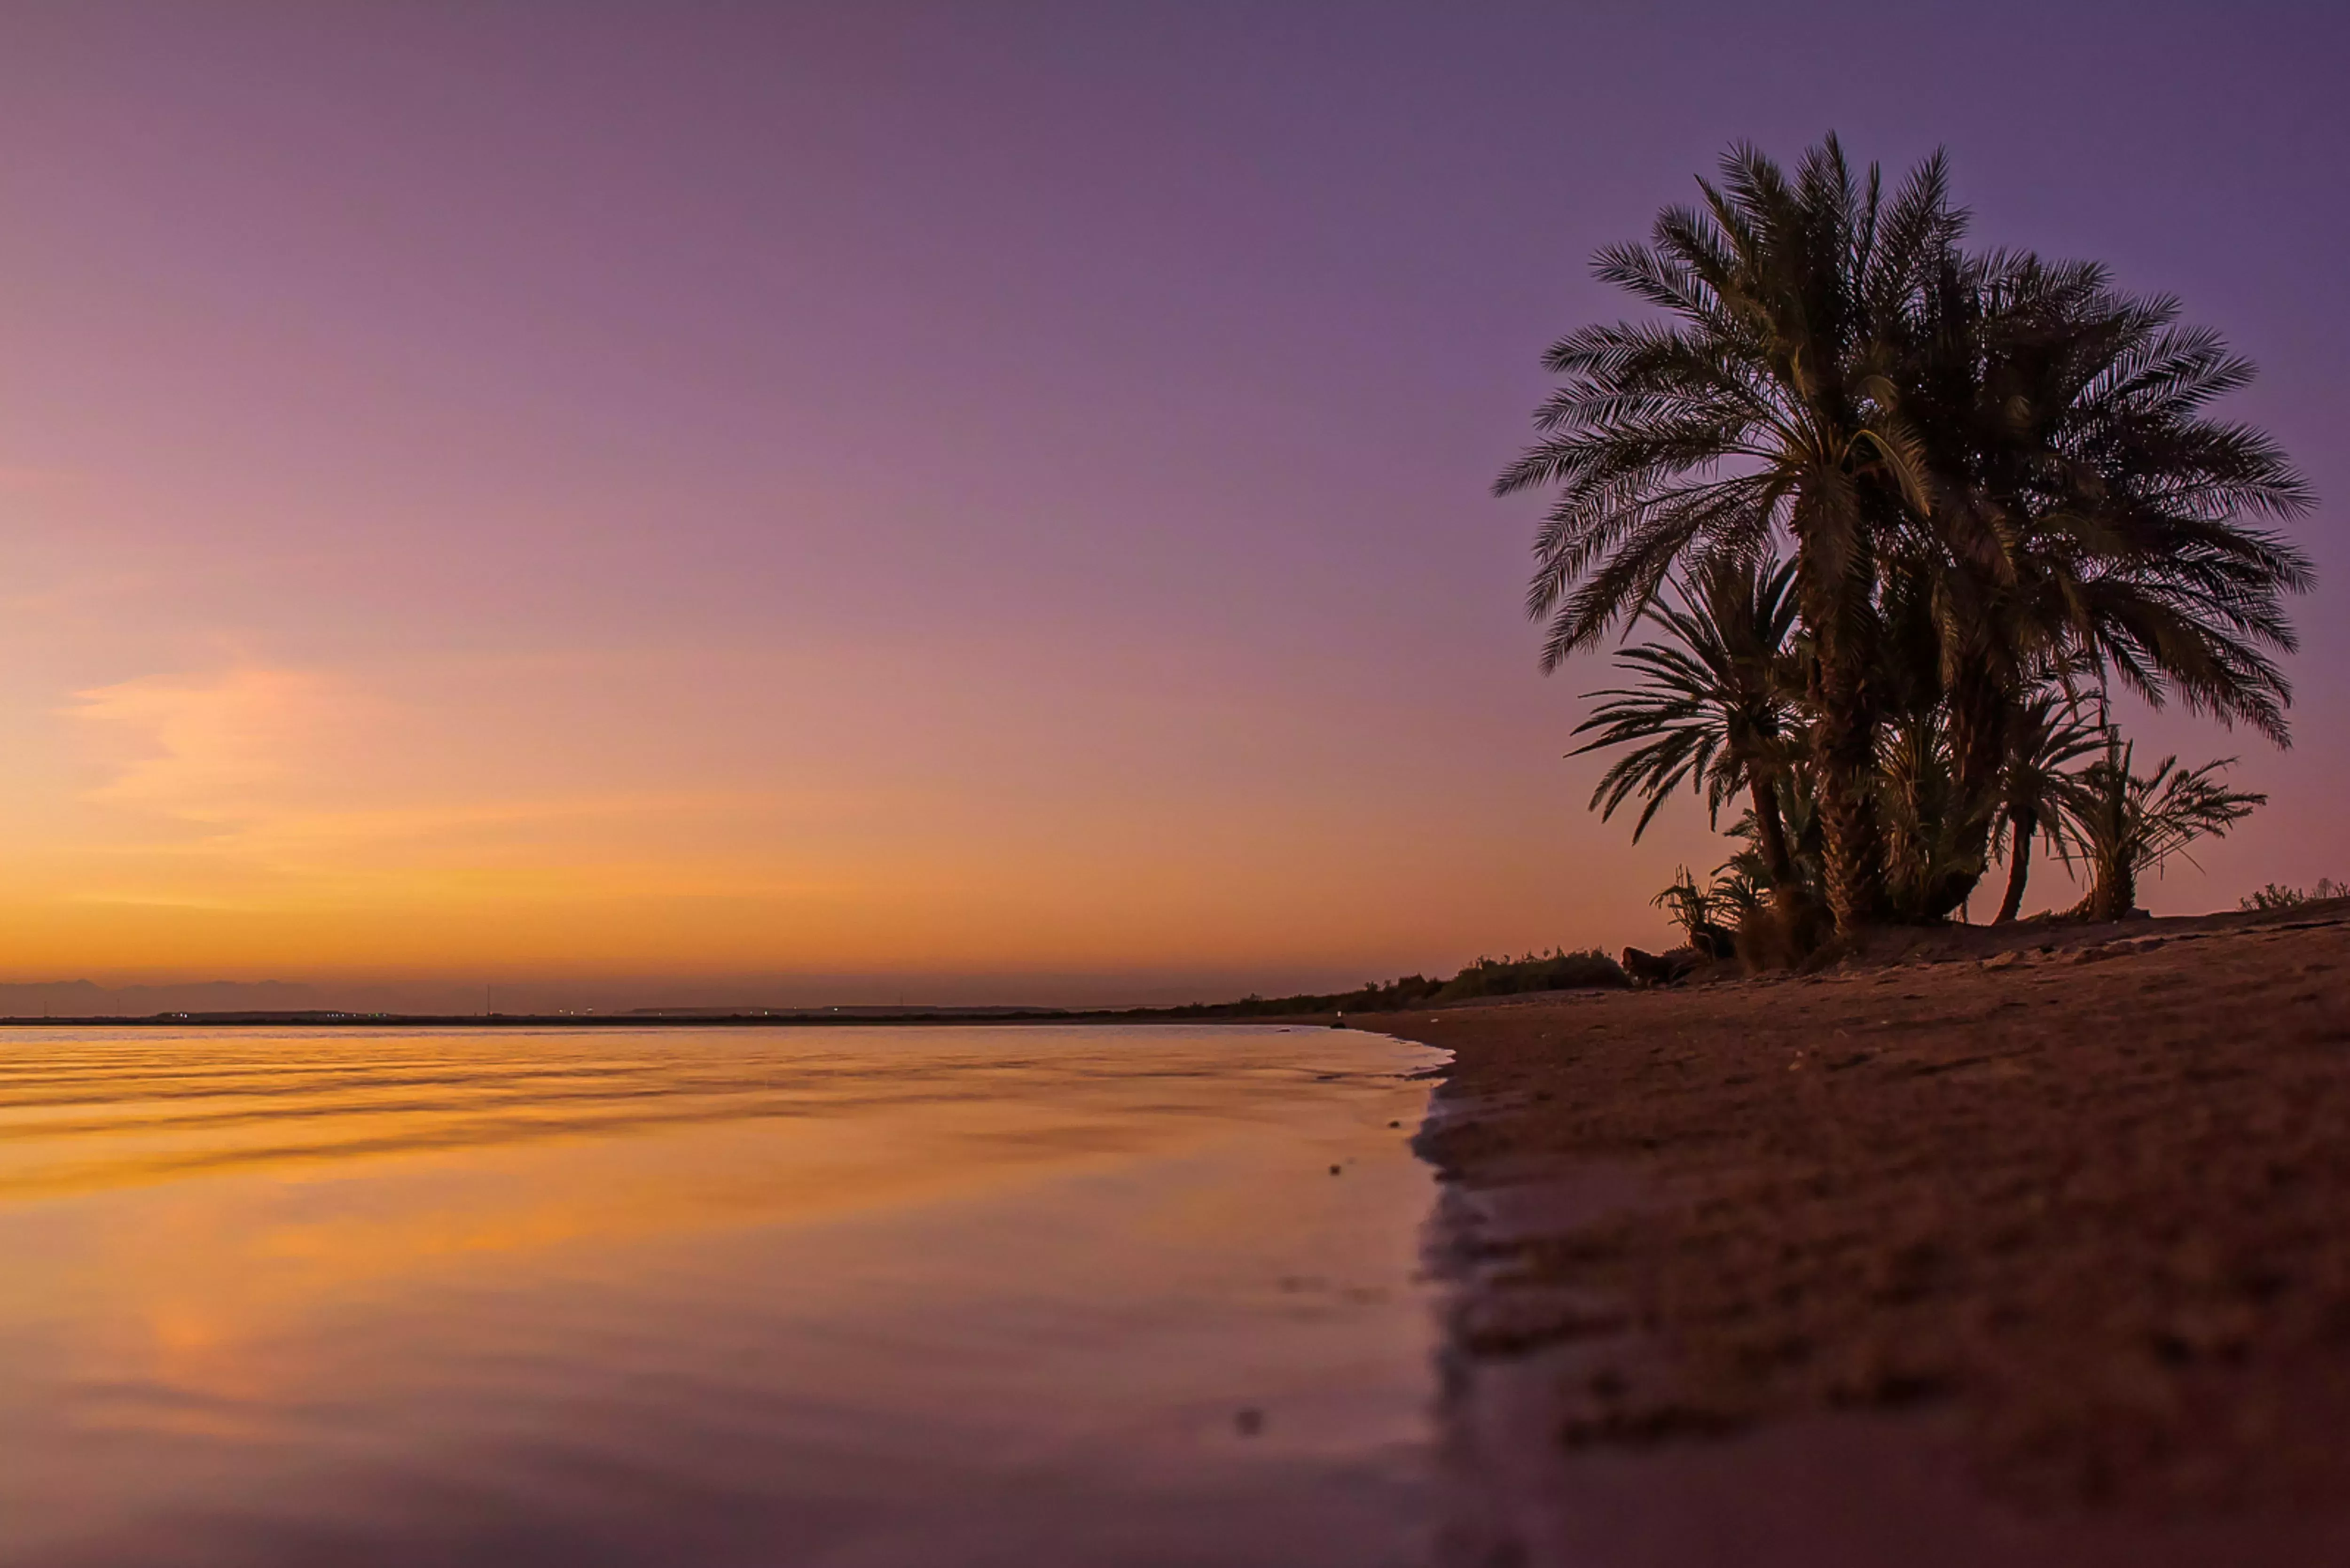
x=1974 y=1252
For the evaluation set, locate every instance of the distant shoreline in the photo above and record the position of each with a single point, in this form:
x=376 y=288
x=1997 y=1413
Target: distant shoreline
x=1943 y=943
x=775 y=1018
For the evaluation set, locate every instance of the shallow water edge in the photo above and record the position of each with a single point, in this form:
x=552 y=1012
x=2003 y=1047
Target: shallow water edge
x=933 y=1295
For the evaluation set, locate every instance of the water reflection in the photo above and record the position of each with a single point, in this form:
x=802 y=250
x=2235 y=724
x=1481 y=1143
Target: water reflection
x=855 y=1296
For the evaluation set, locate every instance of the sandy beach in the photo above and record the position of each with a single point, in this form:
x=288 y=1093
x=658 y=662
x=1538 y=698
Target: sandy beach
x=2012 y=1245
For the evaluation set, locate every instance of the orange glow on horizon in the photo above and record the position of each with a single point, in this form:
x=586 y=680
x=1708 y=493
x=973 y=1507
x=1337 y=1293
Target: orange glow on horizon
x=832 y=520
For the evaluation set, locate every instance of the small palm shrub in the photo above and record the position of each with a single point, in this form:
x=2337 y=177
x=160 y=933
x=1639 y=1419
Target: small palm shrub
x=1697 y=910
x=2120 y=823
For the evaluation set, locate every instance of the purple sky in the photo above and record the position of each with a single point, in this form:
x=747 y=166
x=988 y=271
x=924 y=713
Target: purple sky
x=984 y=499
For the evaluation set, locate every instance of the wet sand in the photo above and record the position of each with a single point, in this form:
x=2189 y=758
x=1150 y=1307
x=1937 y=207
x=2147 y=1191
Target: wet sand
x=1987 y=1253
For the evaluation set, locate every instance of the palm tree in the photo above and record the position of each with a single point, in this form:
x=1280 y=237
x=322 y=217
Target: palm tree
x=1714 y=707
x=2120 y=823
x=2019 y=449
x=2044 y=738
x=1766 y=402
x=2087 y=511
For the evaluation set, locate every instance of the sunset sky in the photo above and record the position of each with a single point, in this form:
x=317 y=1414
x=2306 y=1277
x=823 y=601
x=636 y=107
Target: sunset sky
x=842 y=502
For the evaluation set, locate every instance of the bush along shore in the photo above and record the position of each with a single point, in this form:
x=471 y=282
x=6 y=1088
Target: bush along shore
x=1554 y=970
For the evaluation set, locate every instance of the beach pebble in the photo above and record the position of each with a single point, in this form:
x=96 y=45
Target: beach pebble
x=1248 y=1422
x=1334 y=1170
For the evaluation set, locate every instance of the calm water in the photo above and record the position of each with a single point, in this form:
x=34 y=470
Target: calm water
x=934 y=1297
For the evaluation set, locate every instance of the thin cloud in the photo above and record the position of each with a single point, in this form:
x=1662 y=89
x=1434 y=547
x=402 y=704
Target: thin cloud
x=275 y=786
x=208 y=748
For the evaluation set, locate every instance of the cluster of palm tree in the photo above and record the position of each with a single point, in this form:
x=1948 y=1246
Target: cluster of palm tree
x=1904 y=516
x=1716 y=704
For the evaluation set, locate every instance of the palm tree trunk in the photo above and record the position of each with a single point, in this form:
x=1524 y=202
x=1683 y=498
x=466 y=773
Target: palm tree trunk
x=2022 y=825
x=2116 y=893
x=1843 y=742
x=1771 y=831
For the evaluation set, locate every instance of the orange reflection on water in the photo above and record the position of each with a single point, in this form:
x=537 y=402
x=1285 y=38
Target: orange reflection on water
x=859 y=1290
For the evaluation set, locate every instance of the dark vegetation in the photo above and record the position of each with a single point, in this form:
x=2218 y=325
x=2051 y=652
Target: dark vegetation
x=1552 y=971
x=2276 y=896
x=1901 y=517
